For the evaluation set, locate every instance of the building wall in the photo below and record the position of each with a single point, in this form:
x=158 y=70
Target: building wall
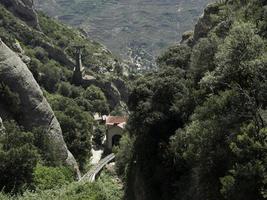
x=111 y=132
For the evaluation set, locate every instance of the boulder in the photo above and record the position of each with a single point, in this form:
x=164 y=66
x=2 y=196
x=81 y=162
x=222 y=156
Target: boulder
x=35 y=111
x=23 y=9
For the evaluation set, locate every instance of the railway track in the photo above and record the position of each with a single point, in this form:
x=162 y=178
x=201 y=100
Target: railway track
x=91 y=175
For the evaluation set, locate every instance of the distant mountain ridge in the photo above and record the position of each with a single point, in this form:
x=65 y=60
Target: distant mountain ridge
x=135 y=29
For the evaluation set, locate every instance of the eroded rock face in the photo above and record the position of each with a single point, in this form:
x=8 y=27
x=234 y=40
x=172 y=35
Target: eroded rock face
x=35 y=110
x=24 y=10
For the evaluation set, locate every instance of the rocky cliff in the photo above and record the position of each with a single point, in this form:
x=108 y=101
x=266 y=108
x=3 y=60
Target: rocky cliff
x=23 y=9
x=34 y=109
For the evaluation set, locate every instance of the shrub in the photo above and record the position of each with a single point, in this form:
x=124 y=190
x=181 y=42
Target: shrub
x=99 y=134
x=64 y=89
x=10 y=99
x=51 y=177
x=41 y=54
x=124 y=155
x=18 y=157
x=77 y=127
x=97 y=99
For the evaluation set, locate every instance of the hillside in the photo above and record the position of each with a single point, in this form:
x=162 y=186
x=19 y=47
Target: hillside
x=198 y=125
x=46 y=121
x=141 y=28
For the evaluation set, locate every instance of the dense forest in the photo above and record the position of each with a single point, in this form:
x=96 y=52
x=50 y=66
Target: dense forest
x=197 y=122
x=197 y=128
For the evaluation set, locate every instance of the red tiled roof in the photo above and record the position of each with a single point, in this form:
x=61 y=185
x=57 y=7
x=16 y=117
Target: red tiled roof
x=111 y=120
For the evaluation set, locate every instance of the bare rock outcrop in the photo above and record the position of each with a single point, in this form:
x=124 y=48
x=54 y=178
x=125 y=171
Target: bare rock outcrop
x=23 y=9
x=35 y=110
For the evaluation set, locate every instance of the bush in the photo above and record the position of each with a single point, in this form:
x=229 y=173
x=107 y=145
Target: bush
x=97 y=99
x=99 y=134
x=41 y=54
x=74 y=191
x=64 y=89
x=10 y=99
x=51 y=177
x=50 y=76
x=77 y=127
x=124 y=155
x=18 y=157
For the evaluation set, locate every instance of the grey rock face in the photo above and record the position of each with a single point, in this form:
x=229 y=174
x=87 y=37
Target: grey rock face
x=35 y=110
x=24 y=10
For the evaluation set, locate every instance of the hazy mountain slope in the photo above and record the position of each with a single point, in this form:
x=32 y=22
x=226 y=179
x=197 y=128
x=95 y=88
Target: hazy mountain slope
x=150 y=25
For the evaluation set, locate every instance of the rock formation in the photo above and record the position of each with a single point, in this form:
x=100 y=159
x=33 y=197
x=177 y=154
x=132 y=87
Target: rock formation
x=35 y=110
x=24 y=10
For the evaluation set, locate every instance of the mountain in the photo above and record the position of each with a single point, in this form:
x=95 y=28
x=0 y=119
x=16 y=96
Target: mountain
x=198 y=125
x=130 y=28
x=46 y=117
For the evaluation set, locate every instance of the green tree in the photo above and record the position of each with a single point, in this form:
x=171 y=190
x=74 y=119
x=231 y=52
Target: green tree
x=10 y=99
x=247 y=177
x=97 y=99
x=177 y=56
x=99 y=134
x=124 y=155
x=45 y=177
x=202 y=58
x=50 y=76
x=18 y=157
x=77 y=127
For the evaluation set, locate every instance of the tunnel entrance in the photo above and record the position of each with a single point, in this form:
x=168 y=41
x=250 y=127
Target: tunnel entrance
x=116 y=140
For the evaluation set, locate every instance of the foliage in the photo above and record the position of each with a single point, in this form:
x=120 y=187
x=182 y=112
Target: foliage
x=77 y=126
x=176 y=56
x=106 y=188
x=74 y=191
x=110 y=186
x=247 y=178
x=99 y=134
x=96 y=99
x=18 y=157
x=198 y=120
x=202 y=59
x=124 y=155
x=51 y=53
x=10 y=99
x=45 y=178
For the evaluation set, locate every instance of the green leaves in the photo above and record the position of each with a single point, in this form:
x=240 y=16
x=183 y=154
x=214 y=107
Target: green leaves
x=77 y=126
x=18 y=157
x=249 y=171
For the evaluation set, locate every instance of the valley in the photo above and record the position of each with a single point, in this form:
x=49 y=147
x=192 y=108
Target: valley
x=136 y=30
x=78 y=122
